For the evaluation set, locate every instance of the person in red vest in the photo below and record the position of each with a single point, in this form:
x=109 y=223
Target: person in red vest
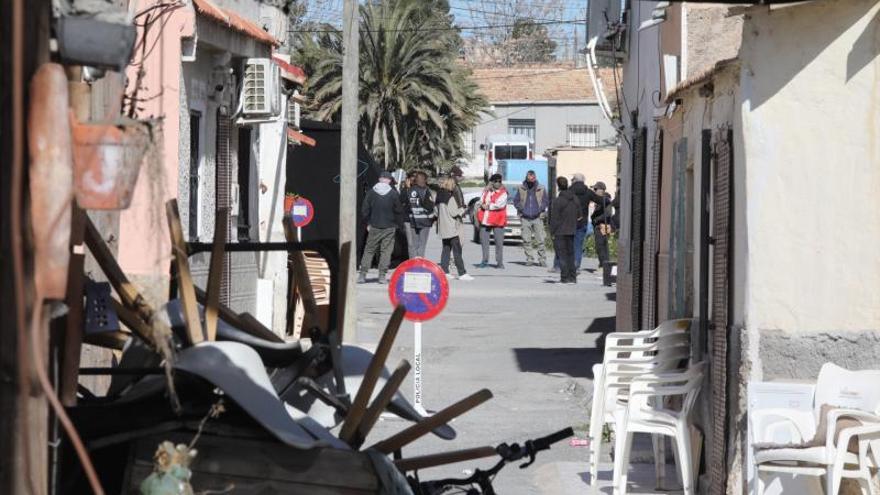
x=492 y=217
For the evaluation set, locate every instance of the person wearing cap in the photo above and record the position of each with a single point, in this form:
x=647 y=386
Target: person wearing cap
x=492 y=217
x=418 y=204
x=381 y=210
x=531 y=204
x=564 y=214
x=583 y=194
x=602 y=220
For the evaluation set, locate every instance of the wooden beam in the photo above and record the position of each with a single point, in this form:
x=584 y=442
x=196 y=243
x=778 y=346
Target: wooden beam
x=244 y=322
x=433 y=460
x=73 y=332
x=185 y=284
x=131 y=320
x=423 y=427
x=305 y=290
x=215 y=273
x=371 y=376
x=111 y=340
x=371 y=415
x=130 y=296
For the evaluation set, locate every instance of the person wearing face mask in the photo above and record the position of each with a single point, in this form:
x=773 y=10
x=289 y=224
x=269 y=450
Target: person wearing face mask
x=492 y=217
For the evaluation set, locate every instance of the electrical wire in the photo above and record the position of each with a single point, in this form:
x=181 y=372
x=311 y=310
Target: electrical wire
x=434 y=30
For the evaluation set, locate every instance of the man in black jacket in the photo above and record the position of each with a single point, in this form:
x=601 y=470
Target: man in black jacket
x=564 y=215
x=584 y=195
x=381 y=210
x=418 y=205
x=602 y=221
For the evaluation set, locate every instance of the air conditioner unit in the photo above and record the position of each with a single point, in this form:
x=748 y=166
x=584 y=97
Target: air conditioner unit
x=260 y=95
x=606 y=22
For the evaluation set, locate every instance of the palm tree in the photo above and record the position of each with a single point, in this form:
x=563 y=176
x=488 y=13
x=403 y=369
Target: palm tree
x=416 y=100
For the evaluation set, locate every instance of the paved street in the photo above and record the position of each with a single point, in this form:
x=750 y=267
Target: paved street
x=496 y=333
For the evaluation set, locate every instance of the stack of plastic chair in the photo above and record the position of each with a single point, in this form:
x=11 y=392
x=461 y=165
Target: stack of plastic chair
x=627 y=356
x=645 y=413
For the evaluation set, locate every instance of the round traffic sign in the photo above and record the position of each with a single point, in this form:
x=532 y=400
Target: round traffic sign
x=421 y=287
x=302 y=212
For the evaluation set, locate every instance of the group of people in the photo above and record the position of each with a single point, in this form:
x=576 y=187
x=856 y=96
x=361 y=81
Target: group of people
x=418 y=209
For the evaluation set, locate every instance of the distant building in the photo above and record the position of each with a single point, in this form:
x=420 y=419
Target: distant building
x=552 y=104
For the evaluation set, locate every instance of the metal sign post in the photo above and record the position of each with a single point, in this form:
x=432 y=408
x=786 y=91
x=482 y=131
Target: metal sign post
x=421 y=287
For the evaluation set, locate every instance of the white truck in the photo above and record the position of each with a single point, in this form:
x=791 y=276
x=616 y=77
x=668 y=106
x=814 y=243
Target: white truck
x=505 y=147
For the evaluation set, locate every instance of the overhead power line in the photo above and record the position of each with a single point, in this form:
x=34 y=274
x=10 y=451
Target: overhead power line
x=441 y=29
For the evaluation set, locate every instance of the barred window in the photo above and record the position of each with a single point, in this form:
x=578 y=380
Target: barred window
x=582 y=135
x=467 y=142
x=525 y=127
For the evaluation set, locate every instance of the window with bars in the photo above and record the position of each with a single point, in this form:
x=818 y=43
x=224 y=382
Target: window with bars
x=525 y=127
x=467 y=142
x=582 y=135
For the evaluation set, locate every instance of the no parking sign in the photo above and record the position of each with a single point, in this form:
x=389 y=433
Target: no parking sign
x=422 y=288
x=302 y=212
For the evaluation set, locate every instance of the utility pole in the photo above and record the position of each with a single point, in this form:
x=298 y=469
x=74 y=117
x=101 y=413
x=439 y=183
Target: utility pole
x=348 y=163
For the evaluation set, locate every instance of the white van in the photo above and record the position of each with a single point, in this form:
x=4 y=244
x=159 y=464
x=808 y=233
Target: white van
x=505 y=147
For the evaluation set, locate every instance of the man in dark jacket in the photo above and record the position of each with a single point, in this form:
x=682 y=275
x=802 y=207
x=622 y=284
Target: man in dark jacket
x=602 y=221
x=381 y=210
x=584 y=194
x=418 y=204
x=531 y=204
x=564 y=215
x=457 y=173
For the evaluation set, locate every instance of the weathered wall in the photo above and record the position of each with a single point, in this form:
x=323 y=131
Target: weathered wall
x=711 y=35
x=143 y=234
x=810 y=116
x=595 y=164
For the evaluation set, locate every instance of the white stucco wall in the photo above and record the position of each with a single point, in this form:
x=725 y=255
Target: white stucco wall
x=810 y=116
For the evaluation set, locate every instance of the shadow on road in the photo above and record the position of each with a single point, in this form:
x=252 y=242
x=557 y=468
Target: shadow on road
x=571 y=361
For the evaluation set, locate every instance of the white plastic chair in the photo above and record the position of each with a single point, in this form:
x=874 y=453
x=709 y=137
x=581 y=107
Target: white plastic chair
x=854 y=394
x=628 y=355
x=644 y=415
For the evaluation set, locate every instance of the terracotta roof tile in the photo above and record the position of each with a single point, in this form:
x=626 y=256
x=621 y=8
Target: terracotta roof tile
x=233 y=21
x=290 y=71
x=541 y=83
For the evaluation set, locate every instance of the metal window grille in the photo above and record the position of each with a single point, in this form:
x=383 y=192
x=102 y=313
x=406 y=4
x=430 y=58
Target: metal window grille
x=223 y=188
x=524 y=127
x=467 y=142
x=193 y=206
x=637 y=223
x=652 y=236
x=721 y=271
x=582 y=135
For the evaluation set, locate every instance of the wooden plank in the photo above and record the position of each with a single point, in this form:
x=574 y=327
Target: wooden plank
x=215 y=271
x=433 y=460
x=250 y=325
x=130 y=296
x=131 y=320
x=184 y=278
x=73 y=333
x=304 y=288
x=423 y=427
x=371 y=376
x=111 y=340
x=392 y=385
